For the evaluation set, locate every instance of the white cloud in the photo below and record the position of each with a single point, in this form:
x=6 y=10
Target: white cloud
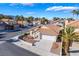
x=30 y=12
x=13 y=4
x=58 y=8
x=28 y=4
x=24 y=4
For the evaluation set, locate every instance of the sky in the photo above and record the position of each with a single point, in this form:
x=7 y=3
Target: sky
x=48 y=10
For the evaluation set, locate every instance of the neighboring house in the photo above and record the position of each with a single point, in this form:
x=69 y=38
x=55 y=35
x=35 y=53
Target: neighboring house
x=30 y=24
x=24 y=23
x=38 y=22
x=74 y=24
x=8 y=24
x=2 y=25
x=56 y=22
x=7 y=21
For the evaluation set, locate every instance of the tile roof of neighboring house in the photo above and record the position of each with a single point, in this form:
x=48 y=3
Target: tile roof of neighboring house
x=52 y=21
x=6 y=20
x=21 y=22
x=51 y=30
x=74 y=23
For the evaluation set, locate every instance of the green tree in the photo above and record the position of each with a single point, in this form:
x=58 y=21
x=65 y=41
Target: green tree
x=1 y=16
x=67 y=36
x=36 y=19
x=56 y=18
x=17 y=17
x=20 y=18
x=75 y=12
x=30 y=19
x=44 y=20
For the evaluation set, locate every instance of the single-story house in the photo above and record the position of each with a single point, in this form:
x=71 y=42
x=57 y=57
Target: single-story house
x=46 y=36
x=49 y=35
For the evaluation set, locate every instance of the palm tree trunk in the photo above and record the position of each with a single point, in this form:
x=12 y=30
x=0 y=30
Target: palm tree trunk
x=70 y=43
x=22 y=23
x=73 y=15
x=66 y=48
x=77 y=17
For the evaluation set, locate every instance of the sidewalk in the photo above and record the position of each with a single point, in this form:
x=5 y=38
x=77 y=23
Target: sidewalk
x=33 y=49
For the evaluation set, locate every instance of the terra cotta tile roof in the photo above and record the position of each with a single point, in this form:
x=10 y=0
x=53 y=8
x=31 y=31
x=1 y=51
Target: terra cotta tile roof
x=74 y=23
x=50 y=30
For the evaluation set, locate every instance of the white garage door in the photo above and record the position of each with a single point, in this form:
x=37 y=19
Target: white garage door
x=52 y=38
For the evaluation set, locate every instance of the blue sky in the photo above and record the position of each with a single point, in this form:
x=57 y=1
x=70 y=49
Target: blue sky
x=48 y=10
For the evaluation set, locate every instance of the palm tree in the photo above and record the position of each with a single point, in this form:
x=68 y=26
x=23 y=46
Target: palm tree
x=1 y=16
x=56 y=18
x=30 y=19
x=67 y=35
x=44 y=20
x=20 y=18
x=75 y=12
x=17 y=17
x=36 y=19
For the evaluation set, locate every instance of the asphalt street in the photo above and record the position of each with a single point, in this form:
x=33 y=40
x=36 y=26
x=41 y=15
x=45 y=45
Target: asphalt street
x=9 y=49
